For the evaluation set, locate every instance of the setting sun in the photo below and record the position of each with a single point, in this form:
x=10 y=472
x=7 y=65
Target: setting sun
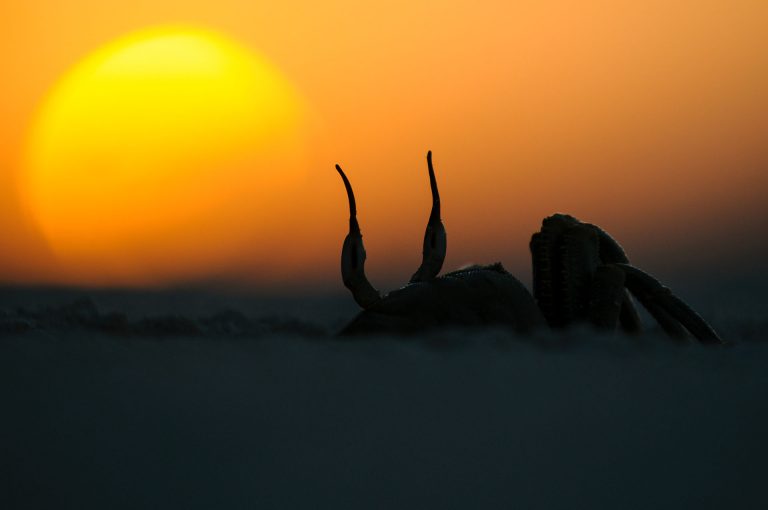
x=160 y=154
x=174 y=141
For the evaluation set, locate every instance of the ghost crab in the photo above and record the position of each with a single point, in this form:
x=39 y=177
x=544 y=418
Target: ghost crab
x=581 y=275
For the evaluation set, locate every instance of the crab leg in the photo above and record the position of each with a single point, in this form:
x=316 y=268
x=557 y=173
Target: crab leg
x=648 y=289
x=668 y=323
x=612 y=252
x=606 y=297
x=628 y=317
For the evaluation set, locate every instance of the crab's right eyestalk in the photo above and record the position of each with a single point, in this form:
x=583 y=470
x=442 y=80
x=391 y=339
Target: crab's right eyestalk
x=353 y=256
x=435 y=241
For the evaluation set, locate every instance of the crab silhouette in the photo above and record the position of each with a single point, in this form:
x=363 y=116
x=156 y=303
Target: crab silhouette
x=581 y=275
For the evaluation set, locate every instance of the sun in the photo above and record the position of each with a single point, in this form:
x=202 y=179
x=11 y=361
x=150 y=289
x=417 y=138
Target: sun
x=160 y=156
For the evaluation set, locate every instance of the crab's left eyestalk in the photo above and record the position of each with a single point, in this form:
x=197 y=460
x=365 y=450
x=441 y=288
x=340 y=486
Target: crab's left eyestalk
x=353 y=256
x=435 y=240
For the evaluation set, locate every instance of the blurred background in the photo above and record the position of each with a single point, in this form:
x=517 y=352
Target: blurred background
x=647 y=118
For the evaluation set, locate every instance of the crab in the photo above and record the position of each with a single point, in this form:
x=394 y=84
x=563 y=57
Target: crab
x=581 y=276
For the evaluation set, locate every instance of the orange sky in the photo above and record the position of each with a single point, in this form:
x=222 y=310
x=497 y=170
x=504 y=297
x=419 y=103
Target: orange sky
x=623 y=114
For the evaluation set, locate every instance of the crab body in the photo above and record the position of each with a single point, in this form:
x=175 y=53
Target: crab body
x=581 y=275
x=472 y=297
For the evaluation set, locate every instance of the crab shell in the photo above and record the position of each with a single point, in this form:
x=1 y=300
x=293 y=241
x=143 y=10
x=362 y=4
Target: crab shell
x=475 y=296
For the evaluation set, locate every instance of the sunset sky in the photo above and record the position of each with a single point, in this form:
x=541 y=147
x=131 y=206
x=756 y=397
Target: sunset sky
x=647 y=118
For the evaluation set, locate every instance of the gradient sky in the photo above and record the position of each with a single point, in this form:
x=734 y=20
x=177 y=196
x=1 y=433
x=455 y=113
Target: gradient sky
x=647 y=118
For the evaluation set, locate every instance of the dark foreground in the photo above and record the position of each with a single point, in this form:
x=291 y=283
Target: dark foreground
x=135 y=411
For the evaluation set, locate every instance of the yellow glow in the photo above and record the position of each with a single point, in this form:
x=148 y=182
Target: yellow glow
x=161 y=157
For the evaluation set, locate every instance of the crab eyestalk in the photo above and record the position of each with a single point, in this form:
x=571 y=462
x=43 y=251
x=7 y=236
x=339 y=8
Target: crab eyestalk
x=353 y=256
x=435 y=242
